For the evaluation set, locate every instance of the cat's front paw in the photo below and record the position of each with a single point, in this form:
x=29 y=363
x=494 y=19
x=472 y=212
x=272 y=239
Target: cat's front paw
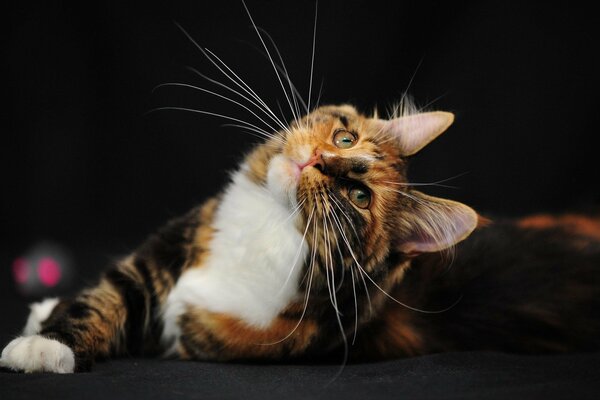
x=38 y=354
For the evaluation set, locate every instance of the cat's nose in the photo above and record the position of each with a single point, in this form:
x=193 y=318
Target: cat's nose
x=315 y=161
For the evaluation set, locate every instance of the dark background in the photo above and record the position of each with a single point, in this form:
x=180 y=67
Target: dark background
x=83 y=164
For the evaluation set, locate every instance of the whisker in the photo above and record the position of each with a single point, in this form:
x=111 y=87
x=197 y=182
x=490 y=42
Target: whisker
x=337 y=222
x=386 y=293
x=297 y=253
x=206 y=52
x=256 y=133
x=279 y=68
x=256 y=128
x=296 y=209
x=339 y=207
x=296 y=117
x=404 y=304
x=258 y=103
x=295 y=94
x=327 y=215
x=217 y=95
x=436 y=183
x=312 y=59
x=366 y=291
x=327 y=250
x=311 y=270
x=252 y=92
x=355 y=307
x=333 y=296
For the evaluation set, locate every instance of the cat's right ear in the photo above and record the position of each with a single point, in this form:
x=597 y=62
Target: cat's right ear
x=413 y=132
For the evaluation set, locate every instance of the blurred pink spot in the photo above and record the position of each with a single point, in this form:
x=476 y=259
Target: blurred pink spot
x=20 y=269
x=49 y=271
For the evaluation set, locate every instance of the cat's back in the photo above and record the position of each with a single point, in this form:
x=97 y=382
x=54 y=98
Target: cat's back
x=529 y=285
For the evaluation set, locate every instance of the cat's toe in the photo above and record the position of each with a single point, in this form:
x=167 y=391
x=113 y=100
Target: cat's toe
x=38 y=354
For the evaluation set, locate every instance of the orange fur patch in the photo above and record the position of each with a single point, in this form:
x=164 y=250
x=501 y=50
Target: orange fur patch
x=238 y=340
x=573 y=223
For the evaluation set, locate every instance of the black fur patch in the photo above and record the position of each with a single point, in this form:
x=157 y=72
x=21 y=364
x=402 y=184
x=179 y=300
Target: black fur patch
x=134 y=300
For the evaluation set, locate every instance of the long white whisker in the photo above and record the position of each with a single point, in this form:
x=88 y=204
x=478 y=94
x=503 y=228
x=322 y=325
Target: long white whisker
x=296 y=209
x=329 y=215
x=220 y=96
x=259 y=104
x=333 y=295
x=256 y=133
x=435 y=183
x=355 y=306
x=320 y=93
x=311 y=270
x=280 y=69
x=345 y=238
x=297 y=253
x=366 y=291
x=205 y=53
x=339 y=207
x=295 y=95
x=251 y=92
x=386 y=293
x=312 y=58
x=330 y=286
x=256 y=128
x=296 y=117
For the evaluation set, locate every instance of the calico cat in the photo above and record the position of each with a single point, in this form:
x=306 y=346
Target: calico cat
x=319 y=244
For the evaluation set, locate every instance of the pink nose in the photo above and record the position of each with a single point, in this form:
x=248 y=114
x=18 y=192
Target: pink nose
x=316 y=159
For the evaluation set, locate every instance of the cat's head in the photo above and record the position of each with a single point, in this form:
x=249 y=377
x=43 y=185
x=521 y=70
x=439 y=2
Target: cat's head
x=346 y=173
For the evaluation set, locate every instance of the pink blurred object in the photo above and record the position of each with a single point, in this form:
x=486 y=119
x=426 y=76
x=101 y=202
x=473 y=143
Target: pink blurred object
x=45 y=269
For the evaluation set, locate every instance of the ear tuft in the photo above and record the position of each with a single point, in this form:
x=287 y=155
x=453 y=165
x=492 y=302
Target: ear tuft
x=414 y=132
x=435 y=224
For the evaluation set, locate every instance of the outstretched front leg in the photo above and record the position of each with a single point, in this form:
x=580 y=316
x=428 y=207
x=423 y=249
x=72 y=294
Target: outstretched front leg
x=120 y=315
x=113 y=318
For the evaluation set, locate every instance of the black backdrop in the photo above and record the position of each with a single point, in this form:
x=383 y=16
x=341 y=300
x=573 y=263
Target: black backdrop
x=84 y=166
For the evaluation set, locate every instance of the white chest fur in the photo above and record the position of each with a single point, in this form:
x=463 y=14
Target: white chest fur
x=254 y=265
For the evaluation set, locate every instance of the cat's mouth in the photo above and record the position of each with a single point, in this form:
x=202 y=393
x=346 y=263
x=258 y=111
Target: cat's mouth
x=285 y=174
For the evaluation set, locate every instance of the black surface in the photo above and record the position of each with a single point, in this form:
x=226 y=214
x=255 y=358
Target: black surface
x=469 y=375
x=442 y=376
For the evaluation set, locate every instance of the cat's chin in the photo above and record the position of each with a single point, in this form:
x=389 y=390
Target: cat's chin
x=283 y=178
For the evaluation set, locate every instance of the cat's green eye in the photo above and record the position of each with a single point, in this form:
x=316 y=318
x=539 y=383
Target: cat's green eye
x=360 y=196
x=344 y=139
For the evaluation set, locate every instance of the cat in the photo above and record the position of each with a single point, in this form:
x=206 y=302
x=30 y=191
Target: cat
x=319 y=245
x=318 y=240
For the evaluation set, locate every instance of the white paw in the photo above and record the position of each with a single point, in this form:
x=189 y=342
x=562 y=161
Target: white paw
x=38 y=354
x=39 y=313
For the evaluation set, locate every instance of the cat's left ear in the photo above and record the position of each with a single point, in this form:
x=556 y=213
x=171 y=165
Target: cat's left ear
x=431 y=224
x=413 y=132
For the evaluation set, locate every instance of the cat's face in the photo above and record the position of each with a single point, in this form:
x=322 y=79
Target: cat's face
x=345 y=176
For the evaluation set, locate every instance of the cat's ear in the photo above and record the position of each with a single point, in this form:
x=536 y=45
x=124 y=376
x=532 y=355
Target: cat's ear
x=430 y=224
x=413 y=132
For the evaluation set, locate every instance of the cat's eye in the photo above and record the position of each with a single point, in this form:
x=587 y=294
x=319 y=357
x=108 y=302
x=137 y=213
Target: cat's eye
x=360 y=196
x=344 y=139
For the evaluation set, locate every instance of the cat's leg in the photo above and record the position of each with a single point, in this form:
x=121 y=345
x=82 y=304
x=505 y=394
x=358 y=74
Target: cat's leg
x=111 y=318
x=38 y=315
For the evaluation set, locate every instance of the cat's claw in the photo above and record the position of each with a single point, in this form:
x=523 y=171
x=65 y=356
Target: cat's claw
x=38 y=354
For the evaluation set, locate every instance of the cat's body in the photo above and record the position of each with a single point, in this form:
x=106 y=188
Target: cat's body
x=318 y=245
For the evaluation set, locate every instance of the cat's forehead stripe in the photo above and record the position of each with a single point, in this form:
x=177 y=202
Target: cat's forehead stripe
x=343 y=119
